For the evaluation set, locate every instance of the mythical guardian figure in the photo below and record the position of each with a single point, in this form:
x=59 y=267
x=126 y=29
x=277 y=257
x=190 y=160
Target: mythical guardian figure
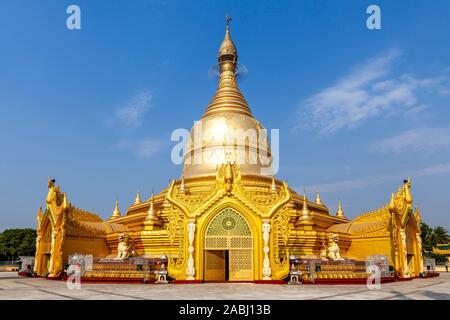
x=333 y=248
x=125 y=249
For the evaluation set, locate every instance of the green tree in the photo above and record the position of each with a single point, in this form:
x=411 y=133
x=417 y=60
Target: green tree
x=17 y=242
x=440 y=235
x=426 y=233
x=430 y=238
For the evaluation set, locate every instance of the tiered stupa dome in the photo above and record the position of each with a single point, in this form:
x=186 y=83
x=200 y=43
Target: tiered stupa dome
x=227 y=131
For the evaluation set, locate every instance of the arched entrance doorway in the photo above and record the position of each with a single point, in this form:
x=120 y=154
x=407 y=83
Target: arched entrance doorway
x=411 y=245
x=43 y=263
x=228 y=254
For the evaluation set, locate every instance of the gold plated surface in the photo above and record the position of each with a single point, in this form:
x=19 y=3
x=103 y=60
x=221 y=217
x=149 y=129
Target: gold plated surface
x=225 y=218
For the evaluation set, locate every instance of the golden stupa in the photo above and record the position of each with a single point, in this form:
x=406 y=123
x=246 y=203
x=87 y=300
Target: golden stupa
x=230 y=220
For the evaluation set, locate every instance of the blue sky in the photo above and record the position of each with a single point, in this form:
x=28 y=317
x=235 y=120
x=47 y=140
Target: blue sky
x=358 y=110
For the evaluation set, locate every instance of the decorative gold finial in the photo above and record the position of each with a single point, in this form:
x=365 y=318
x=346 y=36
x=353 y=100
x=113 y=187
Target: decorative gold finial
x=417 y=214
x=39 y=216
x=138 y=200
x=151 y=220
x=318 y=200
x=305 y=217
x=65 y=201
x=151 y=211
x=273 y=186
x=116 y=213
x=305 y=210
x=51 y=182
x=228 y=97
x=407 y=186
x=182 y=188
x=340 y=212
x=392 y=203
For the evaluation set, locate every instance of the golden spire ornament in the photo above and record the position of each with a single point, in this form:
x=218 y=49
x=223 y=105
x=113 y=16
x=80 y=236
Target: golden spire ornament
x=392 y=204
x=65 y=201
x=116 y=213
x=273 y=186
x=182 y=188
x=151 y=215
x=138 y=200
x=305 y=215
x=305 y=210
x=151 y=220
x=318 y=200
x=228 y=97
x=408 y=197
x=340 y=212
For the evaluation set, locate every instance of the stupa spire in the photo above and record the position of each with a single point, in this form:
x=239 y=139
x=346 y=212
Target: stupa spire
x=318 y=200
x=151 y=215
x=182 y=188
x=116 y=213
x=151 y=220
x=273 y=186
x=228 y=97
x=138 y=200
x=340 y=211
x=305 y=210
x=305 y=215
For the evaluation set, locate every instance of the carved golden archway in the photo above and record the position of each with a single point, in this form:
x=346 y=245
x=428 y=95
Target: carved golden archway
x=412 y=255
x=228 y=248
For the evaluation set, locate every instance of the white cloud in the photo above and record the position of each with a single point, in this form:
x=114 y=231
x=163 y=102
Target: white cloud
x=432 y=170
x=416 y=140
x=346 y=185
x=143 y=147
x=133 y=111
x=366 y=92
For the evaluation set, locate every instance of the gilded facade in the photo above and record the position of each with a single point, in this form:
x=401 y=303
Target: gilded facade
x=228 y=220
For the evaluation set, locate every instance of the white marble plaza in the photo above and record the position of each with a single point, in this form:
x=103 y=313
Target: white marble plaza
x=15 y=287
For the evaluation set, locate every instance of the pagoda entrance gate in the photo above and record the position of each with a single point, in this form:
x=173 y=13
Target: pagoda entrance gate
x=228 y=248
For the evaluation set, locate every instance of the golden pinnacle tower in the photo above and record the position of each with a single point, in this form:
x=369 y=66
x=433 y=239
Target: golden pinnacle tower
x=228 y=218
x=227 y=131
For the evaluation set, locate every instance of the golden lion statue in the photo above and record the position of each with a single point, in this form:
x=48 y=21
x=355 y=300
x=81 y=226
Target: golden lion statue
x=333 y=248
x=126 y=247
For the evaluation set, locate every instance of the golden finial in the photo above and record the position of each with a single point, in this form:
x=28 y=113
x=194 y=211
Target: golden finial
x=228 y=96
x=340 y=212
x=152 y=219
x=39 y=216
x=151 y=210
x=228 y=172
x=273 y=186
x=305 y=210
x=51 y=182
x=65 y=201
x=305 y=217
x=138 y=200
x=318 y=200
x=417 y=214
x=408 y=197
x=392 y=203
x=182 y=188
x=116 y=213
x=227 y=50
